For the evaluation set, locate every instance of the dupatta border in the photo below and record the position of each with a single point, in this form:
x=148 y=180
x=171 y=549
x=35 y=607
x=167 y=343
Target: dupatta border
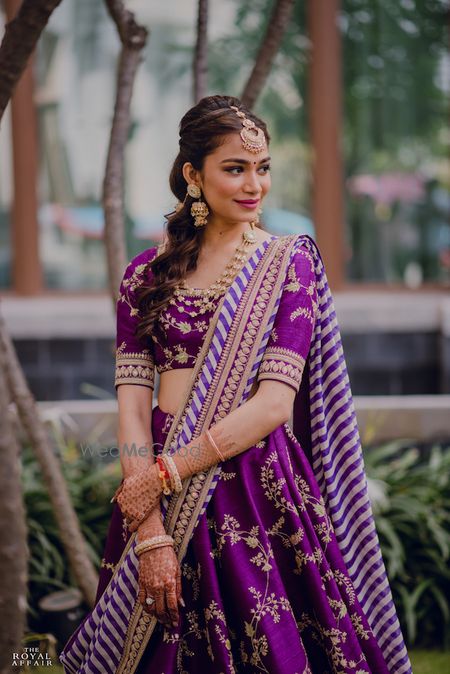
x=240 y=347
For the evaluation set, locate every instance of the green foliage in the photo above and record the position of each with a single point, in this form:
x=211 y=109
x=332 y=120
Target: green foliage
x=90 y=484
x=410 y=493
x=430 y=662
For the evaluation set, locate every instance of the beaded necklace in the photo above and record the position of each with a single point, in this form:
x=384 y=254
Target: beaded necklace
x=205 y=297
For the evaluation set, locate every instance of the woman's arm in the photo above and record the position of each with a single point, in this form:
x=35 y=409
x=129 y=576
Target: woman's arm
x=136 y=444
x=234 y=434
x=242 y=428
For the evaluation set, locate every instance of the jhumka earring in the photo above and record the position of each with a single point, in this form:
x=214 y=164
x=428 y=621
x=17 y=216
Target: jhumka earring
x=199 y=210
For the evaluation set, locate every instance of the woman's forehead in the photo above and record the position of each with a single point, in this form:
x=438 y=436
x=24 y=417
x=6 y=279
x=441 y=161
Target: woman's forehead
x=231 y=148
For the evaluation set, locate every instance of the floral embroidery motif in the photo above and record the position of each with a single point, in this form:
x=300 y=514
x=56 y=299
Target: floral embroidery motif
x=131 y=283
x=179 y=354
x=265 y=603
x=330 y=640
x=107 y=565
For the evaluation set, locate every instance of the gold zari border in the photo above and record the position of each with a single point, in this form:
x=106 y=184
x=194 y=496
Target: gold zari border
x=282 y=365
x=134 y=368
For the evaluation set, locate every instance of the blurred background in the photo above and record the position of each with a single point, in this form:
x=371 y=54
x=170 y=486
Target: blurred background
x=357 y=103
x=378 y=72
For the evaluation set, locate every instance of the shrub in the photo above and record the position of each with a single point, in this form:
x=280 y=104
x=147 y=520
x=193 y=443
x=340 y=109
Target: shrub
x=409 y=487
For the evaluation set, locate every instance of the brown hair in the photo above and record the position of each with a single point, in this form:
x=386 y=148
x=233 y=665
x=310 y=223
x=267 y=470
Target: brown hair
x=202 y=130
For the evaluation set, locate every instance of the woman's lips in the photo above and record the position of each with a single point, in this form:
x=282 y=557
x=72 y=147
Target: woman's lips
x=248 y=203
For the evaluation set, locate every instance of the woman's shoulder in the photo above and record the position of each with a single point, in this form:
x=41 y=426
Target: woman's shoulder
x=139 y=262
x=304 y=251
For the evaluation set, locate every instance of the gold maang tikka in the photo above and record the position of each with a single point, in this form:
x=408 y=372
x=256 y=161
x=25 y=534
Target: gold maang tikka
x=253 y=138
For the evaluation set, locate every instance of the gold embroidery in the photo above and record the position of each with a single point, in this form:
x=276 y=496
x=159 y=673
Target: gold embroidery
x=226 y=476
x=330 y=639
x=283 y=365
x=131 y=283
x=265 y=604
x=107 y=565
x=212 y=614
x=134 y=368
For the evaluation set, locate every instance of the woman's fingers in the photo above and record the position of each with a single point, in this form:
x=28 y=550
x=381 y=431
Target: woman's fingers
x=178 y=585
x=142 y=594
x=172 y=605
x=160 y=608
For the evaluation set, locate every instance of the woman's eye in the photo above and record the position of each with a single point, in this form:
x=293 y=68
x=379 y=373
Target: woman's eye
x=235 y=170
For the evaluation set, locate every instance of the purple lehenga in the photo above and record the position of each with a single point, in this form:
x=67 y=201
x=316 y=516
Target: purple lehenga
x=281 y=566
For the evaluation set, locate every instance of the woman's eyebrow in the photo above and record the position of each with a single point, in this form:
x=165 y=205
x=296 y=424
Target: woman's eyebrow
x=242 y=161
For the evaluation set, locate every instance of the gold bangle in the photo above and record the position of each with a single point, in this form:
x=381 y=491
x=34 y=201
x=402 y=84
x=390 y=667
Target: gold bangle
x=211 y=439
x=154 y=541
x=175 y=479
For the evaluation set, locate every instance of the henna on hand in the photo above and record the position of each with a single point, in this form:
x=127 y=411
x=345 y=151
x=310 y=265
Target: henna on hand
x=138 y=495
x=160 y=578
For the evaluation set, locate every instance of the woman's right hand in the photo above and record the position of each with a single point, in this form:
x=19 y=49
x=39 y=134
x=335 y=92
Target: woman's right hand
x=138 y=494
x=160 y=578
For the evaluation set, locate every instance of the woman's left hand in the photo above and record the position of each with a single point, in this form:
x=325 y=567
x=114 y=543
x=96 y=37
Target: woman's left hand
x=138 y=494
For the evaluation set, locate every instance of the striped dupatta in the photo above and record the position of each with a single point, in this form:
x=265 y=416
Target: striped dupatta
x=329 y=430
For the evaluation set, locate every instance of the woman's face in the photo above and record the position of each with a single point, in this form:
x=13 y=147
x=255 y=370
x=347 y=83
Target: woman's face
x=233 y=181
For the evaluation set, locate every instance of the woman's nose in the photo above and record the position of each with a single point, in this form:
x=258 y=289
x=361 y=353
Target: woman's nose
x=252 y=183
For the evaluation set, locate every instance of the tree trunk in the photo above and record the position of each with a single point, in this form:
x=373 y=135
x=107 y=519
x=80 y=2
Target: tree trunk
x=133 y=38
x=13 y=537
x=267 y=51
x=200 y=69
x=66 y=518
x=19 y=40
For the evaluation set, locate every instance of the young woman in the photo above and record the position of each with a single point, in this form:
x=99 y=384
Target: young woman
x=237 y=544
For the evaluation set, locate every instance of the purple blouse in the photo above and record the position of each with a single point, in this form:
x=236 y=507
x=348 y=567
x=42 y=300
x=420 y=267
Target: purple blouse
x=185 y=321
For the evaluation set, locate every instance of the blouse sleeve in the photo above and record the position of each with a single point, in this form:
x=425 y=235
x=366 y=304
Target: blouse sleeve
x=134 y=357
x=289 y=342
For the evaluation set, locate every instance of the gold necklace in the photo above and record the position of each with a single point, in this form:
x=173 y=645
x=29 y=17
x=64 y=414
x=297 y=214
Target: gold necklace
x=205 y=297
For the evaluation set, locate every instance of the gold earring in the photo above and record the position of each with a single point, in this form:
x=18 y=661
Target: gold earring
x=199 y=210
x=194 y=191
x=255 y=221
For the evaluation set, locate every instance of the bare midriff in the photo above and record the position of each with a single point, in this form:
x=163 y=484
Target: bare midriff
x=172 y=388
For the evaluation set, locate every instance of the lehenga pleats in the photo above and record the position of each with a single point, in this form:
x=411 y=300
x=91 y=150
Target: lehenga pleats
x=265 y=586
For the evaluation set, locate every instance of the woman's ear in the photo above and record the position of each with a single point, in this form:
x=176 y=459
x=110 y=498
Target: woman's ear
x=190 y=174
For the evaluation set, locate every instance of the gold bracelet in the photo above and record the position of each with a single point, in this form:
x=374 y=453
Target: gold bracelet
x=211 y=439
x=153 y=542
x=175 y=479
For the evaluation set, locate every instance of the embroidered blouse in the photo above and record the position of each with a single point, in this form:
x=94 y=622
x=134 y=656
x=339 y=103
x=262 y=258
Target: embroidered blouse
x=287 y=347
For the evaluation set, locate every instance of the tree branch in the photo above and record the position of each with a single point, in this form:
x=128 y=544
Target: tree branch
x=133 y=38
x=66 y=518
x=267 y=51
x=19 y=40
x=14 y=557
x=200 y=65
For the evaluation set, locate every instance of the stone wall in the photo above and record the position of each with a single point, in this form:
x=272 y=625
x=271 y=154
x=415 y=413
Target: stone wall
x=394 y=344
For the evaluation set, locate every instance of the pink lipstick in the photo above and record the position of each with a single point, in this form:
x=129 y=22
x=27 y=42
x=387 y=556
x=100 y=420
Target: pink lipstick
x=247 y=203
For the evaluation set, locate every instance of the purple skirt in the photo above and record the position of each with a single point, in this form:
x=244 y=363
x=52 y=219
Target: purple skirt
x=265 y=585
